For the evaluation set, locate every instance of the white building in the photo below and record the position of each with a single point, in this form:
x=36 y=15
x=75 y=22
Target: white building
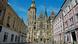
x=70 y=10
x=58 y=28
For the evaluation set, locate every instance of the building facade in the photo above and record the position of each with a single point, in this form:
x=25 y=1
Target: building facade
x=11 y=26
x=70 y=10
x=32 y=20
x=3 y=4
x=39 y=27
x=52 y=16
x=58 y=28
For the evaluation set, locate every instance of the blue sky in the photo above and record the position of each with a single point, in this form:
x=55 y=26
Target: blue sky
x=21 y=7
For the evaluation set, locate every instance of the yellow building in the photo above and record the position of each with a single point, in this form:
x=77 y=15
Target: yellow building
x=11 y=26
x=3 y=4
x=12 y=21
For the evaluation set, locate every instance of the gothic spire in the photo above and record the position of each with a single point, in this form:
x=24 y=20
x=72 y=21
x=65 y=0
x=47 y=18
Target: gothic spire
x=45 y=8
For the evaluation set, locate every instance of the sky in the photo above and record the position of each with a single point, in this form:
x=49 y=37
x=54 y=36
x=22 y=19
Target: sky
x=21 y=7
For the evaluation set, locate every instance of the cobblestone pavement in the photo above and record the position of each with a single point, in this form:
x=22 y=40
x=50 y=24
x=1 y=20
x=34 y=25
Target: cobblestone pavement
x=15 y=43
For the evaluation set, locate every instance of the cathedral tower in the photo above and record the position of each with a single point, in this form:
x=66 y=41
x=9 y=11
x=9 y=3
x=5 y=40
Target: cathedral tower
x=32 y=20
x=32 y=11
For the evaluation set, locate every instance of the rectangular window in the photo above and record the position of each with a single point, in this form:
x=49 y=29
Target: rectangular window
x=0 y=1
x=0 y=28
x=66 y=24
x=77 y=17
x=71 y=21
x=12 y=37
x=73 y=3
x=73 y=36
x=5 y=37
x=15 y=38
x=64 y=13
x=67 y=37
x=34 y=27
x=18 y=39
x=0 y=12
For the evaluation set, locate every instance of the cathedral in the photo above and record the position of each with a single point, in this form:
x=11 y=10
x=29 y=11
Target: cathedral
x=39 y=27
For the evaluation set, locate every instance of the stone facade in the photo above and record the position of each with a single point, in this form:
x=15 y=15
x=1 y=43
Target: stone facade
x=39 y=27
x=32 y=21
x=65 y=23
x=58 y=28
x=3 y=4
x=11 y=26
x=70 y=21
